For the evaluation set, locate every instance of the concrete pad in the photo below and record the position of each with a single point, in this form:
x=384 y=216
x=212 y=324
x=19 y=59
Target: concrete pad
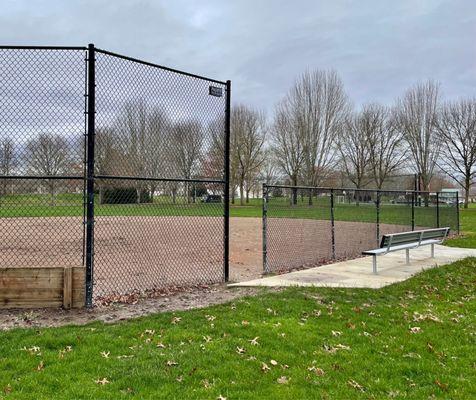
x=357 y=273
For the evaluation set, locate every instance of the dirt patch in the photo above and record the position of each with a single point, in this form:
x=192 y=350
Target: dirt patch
x=190 y=299
x=136 y=253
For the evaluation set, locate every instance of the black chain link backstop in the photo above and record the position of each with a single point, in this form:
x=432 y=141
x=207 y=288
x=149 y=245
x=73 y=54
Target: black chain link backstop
x=113 y=163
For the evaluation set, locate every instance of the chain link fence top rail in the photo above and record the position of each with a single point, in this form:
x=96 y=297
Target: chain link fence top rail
x=155 y=205
x=305 y=226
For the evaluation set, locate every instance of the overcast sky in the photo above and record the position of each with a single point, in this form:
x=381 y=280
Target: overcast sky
x=378 y=47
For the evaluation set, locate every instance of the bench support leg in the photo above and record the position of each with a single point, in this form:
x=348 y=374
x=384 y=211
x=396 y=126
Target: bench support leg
x=374 y=263
x=432 y=251
x=408 y=256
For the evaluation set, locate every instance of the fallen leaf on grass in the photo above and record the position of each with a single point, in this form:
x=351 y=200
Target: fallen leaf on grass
x=206 y=384
x=336 y=333
x=254 y=341
x=240 y=350
x=102 y=381
x=171 y=363
x=264 y=367
x=7 y=389
x=317 y=371
x=221 y=398
x=442 y=386
x=355 y=385
x=176 y=320
x=105 y=354
x=283 y=380
x=273 y=362
x=415 y=329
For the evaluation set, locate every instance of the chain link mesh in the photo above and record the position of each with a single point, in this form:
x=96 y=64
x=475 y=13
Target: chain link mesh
x=159 y=202
x=311 y=226
x=158 y=169
x=42 y=127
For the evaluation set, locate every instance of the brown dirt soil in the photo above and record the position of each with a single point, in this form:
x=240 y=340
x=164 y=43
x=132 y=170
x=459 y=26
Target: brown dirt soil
x=137 y=253
x=185 y=300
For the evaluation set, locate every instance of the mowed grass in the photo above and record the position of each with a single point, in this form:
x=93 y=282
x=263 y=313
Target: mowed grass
x=468 y=229
x=34 y=205
x=413 y=340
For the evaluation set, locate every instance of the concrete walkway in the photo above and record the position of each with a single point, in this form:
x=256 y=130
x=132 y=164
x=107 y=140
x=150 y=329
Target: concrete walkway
x=357 y=273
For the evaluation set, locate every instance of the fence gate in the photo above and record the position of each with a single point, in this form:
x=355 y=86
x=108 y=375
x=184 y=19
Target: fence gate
x=115 y=166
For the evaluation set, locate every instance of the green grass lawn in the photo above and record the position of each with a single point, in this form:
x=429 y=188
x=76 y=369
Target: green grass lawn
x=468 y=229
x=413 y=340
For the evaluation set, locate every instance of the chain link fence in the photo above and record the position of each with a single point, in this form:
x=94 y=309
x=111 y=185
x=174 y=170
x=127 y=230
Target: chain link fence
x=115 y=164
x=305 y=226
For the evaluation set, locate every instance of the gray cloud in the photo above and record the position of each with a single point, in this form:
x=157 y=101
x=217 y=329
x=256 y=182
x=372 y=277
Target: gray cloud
x=378 y=47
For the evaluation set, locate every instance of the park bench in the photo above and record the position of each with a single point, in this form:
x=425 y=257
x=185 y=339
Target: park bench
x=407 y=241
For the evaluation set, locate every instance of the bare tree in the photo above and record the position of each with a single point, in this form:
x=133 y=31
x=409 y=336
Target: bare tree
x=384 y=142
x=108 y=157
x=354 y=149
x=287 y=144
x=457 y=131
x=155 y=147
x=185 y=142
x=48 y=155
x=215 y=156
x=269 y=170
x=8 y=160
x=248 y=130
x=319 y=106
x=306 y=126
x=140 y=135
x=417 y=116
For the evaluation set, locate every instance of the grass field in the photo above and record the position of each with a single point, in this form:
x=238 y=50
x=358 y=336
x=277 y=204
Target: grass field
x=413 y=340
x=33 y=205
x=468 y=229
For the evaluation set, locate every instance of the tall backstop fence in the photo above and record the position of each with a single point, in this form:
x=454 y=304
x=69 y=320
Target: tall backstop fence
x=309 y=226
x=115 y=165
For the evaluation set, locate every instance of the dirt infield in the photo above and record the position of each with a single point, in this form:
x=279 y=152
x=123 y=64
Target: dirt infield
x=138 y=253
x=135 y=253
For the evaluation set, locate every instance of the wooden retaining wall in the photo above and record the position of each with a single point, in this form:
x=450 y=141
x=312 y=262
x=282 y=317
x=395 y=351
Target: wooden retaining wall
x=40 y=287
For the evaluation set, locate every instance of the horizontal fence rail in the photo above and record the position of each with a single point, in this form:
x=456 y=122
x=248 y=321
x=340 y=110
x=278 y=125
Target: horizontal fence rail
x=115 y=165
x=309 y=226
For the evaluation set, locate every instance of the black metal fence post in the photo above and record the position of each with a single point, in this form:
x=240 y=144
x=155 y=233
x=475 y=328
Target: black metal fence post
x=90 y=175
x=226 y=234
x=457 y=213
x=437 y=210
x=377 y=203
x=333 y=238
x=413 y=210
x=265 y=228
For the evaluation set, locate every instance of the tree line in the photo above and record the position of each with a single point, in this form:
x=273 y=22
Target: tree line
x=314 y=133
